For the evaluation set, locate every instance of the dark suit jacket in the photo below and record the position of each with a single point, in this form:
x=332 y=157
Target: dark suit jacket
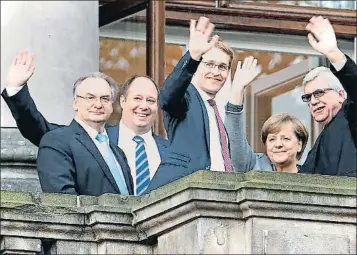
x=334 y=152
x=33 y=126
x=69 y=162
x=186 y=123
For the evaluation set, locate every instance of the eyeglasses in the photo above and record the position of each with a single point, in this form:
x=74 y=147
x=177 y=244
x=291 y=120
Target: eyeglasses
x=221 y=67
x=317 y=93
x=92 y=99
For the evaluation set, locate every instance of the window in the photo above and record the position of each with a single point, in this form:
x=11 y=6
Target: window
x=325 y=4
x=123 y=52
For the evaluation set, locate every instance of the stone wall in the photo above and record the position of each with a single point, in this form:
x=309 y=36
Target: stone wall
x=206 y=212
x=18 y=162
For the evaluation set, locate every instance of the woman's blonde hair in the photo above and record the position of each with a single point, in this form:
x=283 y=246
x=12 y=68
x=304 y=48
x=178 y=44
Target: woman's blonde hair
x=276 y=121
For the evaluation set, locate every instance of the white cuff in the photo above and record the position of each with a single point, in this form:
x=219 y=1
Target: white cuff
x=340 y=64
x=12 y=91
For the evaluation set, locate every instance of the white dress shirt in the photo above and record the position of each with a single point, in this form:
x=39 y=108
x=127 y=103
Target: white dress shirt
x=11 y=91
x=340 y=64
x=92 y=134
x=217 y=163
x=127 y=144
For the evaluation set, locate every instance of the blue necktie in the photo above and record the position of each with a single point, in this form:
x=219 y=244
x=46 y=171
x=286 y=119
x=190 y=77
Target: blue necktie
x=113 y=166
x=142 y=166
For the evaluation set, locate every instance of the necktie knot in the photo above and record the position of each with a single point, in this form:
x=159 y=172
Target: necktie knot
x=101 y=138
x=211 y=102
x=138 y=139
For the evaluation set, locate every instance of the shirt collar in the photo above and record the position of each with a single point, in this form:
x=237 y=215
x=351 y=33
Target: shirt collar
x=204 y=95
x=127 y=132
x=91 y=131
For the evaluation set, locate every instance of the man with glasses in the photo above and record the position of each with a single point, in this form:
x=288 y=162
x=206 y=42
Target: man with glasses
x=138 y=101
x=76 y=159
x=198 y=139
x=332 y=98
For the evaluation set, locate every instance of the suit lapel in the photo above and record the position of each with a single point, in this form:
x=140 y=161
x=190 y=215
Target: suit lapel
x=310 y=162
x=83 y=137
x=113 y=133
x=120 y=156
x=161 y=143
x=204 y=113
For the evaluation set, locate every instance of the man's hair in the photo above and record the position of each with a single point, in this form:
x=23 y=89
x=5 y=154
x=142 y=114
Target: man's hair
x=113 y=85
x=126 y=85
x=223 y=46
x=275 y=123
x=333 y=81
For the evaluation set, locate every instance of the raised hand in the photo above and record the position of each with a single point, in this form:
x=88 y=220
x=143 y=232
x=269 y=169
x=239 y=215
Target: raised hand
x=245 y=73
x=21 y=69
x=200 y=33
x=322 y=38
x=243 y=76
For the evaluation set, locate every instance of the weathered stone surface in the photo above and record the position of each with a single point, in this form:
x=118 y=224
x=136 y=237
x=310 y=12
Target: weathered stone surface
x=110 y=247
x=259 y=194
x=69 y=247
x=15 y=148
x=285 y=236
x=19 y=245
x=18 y=162
x=204 y=236
x=206 y=213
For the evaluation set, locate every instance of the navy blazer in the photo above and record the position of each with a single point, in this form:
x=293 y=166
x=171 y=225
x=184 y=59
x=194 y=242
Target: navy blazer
x=33 y=126
x=186 y=123
x=69 y=162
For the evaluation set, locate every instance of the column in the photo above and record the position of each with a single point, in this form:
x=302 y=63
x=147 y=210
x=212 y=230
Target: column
x=64 y=37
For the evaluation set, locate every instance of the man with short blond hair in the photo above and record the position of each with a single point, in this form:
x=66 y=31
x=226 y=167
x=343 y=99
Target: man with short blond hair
x=194 y=127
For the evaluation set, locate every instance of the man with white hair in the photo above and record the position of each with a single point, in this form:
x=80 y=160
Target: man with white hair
x=331 y=96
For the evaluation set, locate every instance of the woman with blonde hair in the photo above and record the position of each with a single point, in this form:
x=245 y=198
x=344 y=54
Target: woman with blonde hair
x=284 y=136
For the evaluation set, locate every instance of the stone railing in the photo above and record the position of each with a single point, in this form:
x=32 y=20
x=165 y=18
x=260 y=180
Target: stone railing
x=206 y=212
x=18 y=162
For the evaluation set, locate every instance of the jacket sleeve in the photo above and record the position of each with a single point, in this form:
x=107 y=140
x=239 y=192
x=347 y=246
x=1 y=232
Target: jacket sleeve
x=29 y=120
x=172 y=95
x=55 y=165
x=242 y=155
x=348 y=78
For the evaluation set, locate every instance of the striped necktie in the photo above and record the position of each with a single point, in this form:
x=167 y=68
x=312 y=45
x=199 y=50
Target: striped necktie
x=115 y=168
x=142 y=166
